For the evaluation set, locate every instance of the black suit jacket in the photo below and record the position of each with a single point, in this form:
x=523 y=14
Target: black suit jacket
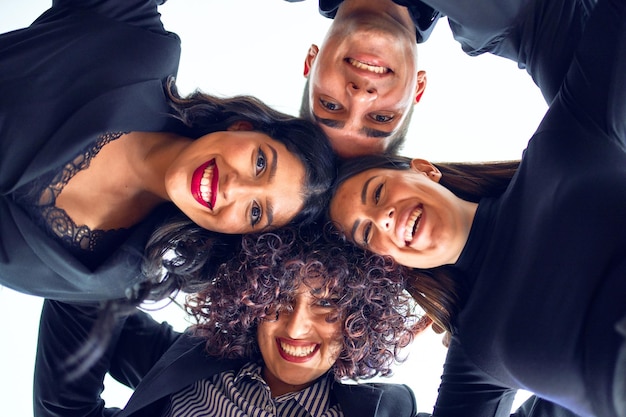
x=83 y=68
x=156 y=362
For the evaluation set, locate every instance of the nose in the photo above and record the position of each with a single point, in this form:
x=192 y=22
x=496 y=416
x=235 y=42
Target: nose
x=385 y=218
x=235 y=187
x=361 y=91
x=298 y=322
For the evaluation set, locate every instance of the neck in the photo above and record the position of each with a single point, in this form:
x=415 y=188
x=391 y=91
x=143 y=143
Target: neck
x=382 y=9
x=150 y=154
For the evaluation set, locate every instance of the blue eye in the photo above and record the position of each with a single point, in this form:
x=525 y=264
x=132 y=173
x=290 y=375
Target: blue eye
x=255 y=214
x=261 y=161
x=382 y=118
x=329 y=105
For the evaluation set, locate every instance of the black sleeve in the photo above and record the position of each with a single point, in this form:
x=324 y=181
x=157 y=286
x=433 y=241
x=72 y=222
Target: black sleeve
x=465 y=390
x=136 y=344
x=538 y=407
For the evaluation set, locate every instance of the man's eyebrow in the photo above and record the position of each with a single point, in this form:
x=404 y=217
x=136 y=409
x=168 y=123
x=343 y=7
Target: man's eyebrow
x=375 y=133
x=367 y=131
x=333 y=124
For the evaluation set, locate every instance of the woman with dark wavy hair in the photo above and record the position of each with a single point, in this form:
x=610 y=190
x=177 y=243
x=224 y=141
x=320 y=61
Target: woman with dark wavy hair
x=99 y=152
x=278 y=326
x=527 y=269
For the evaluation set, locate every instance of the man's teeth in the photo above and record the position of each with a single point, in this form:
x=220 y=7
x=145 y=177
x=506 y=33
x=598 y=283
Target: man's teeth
x=205 y=185
x=298 y=351
x=412 y=223
x=371 y=68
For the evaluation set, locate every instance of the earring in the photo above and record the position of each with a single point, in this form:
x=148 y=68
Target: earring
x=419 y=97
x=306 y=69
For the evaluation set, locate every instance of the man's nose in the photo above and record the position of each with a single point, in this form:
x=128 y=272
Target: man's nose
x=361 y=90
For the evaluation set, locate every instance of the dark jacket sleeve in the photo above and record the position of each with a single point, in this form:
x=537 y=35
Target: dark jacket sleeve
x=137 y=343
x=467 y=391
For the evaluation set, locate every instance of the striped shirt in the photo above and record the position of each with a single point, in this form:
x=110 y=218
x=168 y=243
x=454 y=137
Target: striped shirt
x=246 y=394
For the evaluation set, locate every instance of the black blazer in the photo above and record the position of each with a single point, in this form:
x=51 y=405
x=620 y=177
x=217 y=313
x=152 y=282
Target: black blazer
x=83 y=68
x=156 y=362
x=186 y=363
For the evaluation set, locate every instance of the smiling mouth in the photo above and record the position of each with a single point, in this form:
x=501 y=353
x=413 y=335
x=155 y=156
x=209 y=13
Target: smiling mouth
x=412 y=224
x=376 y=69
x=296 y=353
x=204 y=184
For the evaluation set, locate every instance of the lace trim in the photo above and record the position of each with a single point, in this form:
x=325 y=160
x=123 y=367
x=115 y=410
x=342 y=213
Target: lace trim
x=42 y=193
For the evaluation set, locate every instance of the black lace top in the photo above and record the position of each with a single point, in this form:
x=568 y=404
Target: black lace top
x=39 y=196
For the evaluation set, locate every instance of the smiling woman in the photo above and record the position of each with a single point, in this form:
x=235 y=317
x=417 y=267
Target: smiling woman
x=112 y=129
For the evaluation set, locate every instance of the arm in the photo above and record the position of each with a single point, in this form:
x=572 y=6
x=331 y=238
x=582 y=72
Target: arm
x=64 y=328
x=524 y=31
x=595 y=86
x=467 y=391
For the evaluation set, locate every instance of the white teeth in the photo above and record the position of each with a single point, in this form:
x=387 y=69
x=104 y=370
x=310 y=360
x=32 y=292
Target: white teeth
x=299 y=351
x=371 y=68
x=411 y=224
x=205 y=184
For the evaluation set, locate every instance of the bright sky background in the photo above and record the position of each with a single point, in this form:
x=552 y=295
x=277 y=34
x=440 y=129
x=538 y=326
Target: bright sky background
x=481 y=108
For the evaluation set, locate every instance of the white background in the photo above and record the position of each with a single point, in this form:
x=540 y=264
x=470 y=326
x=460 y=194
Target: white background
x=481 y=108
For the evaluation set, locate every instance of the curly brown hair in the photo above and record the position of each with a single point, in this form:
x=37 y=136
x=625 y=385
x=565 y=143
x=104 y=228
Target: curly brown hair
x=379 y=317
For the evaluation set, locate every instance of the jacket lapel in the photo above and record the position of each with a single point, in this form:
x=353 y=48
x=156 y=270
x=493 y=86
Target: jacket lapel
x=183 y=364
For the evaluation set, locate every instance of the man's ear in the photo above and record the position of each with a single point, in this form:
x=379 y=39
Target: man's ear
x=421 y=85
x=424 y=167
x=240 y=125
x=310 y=58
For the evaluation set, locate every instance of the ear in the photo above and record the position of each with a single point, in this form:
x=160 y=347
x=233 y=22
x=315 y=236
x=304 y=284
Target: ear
x=240 y=125
x=422 y=166
x=310 y=58
x=421 y=85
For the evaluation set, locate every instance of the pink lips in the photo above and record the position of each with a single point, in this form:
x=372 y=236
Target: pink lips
x=196 y=180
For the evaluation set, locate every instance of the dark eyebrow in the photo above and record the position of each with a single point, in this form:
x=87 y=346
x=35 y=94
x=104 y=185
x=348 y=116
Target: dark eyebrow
x=269 y=208
x=357 y=222
x=367 y=131
x=270 y=213
x=334 y=124
x=364 y=190
x=274 y=164
x=354 y=227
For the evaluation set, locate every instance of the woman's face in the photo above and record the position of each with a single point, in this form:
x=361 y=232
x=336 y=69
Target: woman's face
x=406 y=214
x=236 y=181
x=301 y=345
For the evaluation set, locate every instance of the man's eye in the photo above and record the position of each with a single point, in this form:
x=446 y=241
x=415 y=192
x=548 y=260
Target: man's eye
x=255 y=214
x=330 y=106
x=261 y=161
x=377 y=191
x=382 y=118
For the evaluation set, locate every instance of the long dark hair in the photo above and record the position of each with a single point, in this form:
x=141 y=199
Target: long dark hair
x=377 y=315
x=438 y=290
x=180 y=254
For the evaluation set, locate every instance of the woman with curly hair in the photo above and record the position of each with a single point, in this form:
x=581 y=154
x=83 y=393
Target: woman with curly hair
x=277 y=327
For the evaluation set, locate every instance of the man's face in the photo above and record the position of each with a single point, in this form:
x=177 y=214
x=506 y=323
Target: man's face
x=362 y=83
x=300 y=345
